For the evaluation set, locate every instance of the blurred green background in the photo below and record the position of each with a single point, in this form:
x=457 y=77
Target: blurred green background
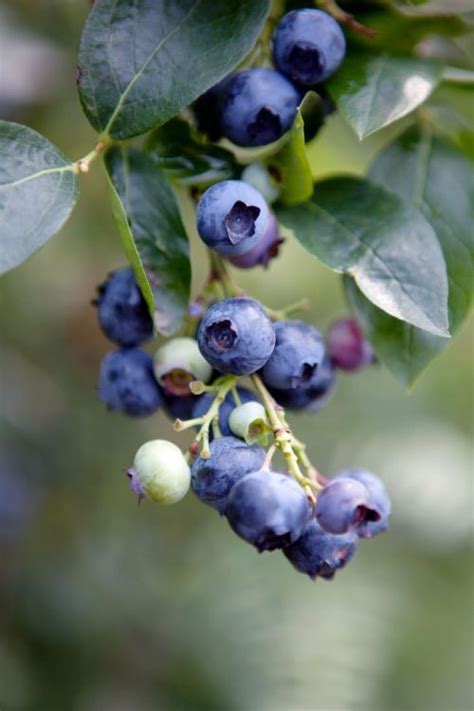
x=105 y=606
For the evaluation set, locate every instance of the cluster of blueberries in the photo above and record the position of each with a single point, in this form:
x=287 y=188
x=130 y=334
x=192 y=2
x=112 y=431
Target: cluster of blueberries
x=228 y=468
x=254 y=107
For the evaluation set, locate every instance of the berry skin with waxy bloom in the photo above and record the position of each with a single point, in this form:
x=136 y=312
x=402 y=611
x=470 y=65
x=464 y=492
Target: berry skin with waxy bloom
x=267 y=509
x=230 y=460
x=308 y=46
x=378 y=497
x=266 y=249
x=122 y=311
x=257 y=107
x=160 y=472
x=348 y=349
x=236 y=336
x=177 y=363
x=299 y=349
x=127 y=382
x=344 y=505
x=231 y=217
x=320 y=554
x=311 y=396
x=204 y=402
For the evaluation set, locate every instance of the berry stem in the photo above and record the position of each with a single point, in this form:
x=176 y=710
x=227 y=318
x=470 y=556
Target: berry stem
x=281 y=314
x=82 y=164
x=220 y=273
x=345 y=18
x=284 y=439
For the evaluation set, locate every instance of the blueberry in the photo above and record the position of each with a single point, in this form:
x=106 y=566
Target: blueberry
x=267 y=509
x=230 y=460
x=179 y=406
x=160 y=472
x=266 y=249
x=347 y=346
x=177 y=363
x=122 y=310
x=236 y=336
x=206 y=111
x=345 y=504
x=318 y=553
x=203 y=403
x=127 y=382
x=311 y=396
x=231 y=217
x=257 y=107
x=299 y=350
x=308 y=46
x=378 y=497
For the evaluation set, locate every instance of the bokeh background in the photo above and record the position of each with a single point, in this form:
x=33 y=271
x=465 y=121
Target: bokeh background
x=105 y=606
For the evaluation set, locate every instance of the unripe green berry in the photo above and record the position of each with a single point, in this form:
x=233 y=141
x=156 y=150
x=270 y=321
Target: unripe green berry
x=249 y=422
x=258 y=176
x=177 y=363
x=160 y=472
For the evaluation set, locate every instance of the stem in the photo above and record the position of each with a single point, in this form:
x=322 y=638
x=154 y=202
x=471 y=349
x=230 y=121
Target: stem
x=82 y=165
x=269 y=456
x=281 y=314
x=284 y=438
x=220 y=273
x=456 y=75
x=345 y=18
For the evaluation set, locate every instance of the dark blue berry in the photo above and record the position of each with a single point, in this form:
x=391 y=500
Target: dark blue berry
x=127 y=382
x=257 y=107
x=230 y=460
x=267 y=248
x=236 y=336
x=298 y=352
x=378 y=497
x=231 y=217
x=308 y=46
x=179 y=406
x=267 y=509
x=203 y=403
x=347 y=346
x=122 y=310
x=345 y=504
x=318 y=553
x=311 y=396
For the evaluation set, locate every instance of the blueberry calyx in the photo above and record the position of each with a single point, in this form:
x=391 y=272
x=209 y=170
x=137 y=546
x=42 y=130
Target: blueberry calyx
x=265 y=126
x=135 y=484
x=222 y=335
x=240 y=221
x=305 y=60
x=305 y=375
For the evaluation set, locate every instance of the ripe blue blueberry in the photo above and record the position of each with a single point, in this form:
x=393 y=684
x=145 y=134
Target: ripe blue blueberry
x=320 y=554
x=345 y=504
x=257 y=107
x=308 y=46
x=231 y=217
x=266 y=249
x=378 y=497
x=311 y=396
x=122 y=311
x=179 y=406
x=347 y=346
x=202 y=404
x=299 y=350
x=236 y=336
x=127 y=382
x=267 y=509
x=230 y=460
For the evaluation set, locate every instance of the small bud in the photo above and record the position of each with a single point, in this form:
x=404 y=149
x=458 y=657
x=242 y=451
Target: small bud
x=160 y=472
x=249 y=422
x=178 y=363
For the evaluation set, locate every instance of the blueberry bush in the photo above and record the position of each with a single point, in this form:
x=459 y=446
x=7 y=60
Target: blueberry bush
x=204 y=113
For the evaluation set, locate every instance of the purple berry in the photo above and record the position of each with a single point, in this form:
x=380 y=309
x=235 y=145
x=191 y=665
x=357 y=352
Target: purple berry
x=347 y=346
x=311 y=396
x=378 y=497
x=345 y=504
x=266 y=249
x=299 y=350
x=127 y=382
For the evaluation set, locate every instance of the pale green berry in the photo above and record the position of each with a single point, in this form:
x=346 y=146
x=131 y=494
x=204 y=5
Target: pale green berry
x=258 y=176
x=177 y=363
x=161 y=472
x=249 y=422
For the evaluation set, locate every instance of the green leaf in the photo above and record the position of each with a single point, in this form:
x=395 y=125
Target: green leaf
x=142 y=61
x=186 y=159
x=374 y=90
x=433 y=7
x=397 y=33
x=390 y=249
x=405 y=350
x=152 y=233
x=290 y=166
x=38 y=189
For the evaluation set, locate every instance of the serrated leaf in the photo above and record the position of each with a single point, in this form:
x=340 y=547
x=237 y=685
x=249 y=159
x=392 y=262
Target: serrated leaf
x=38 y=189
x=389 y=248
x=186 y=159
x=152 y=233
x=142 y=61
x=290 y=166
x=438 y=180
x=374 y=90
